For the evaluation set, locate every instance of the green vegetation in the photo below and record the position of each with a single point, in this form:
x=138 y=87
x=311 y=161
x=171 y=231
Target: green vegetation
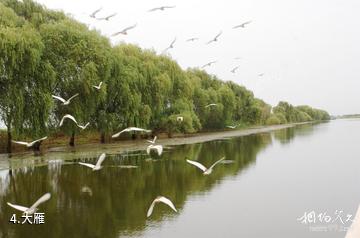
x=44 y=52
x=287 y=113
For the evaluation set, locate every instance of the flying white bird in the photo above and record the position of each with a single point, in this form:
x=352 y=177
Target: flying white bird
x=157 y=200
x=210 y=105
x=234 y=69
x=97 y=166
x=33 y=208
x=208 y=64
x=30 y=144
x=152 y=141
x=65 y=102
x=130 y=129
x=215 y=38
x=98 y=87
x=160 y=8
x=354 y=230
x=93 y=15
x=84 y=126
x=231 y=127
x=124 y=31
x=107 y=18
x=242 y=25
x=180 y=119
x=158 y=148
x=68 y=116
x=203 y=168
x=192 y=39
x=171 y=45
x=260 y=75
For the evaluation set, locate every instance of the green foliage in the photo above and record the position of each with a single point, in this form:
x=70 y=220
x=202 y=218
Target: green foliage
x=315 y=114
x=189 y=124
x=273 y=120
x=281 y=118
x=81 y=60
x=8 y=17
x=25 y=81
x=300 y=113
x=264 y=109
x=33 y=12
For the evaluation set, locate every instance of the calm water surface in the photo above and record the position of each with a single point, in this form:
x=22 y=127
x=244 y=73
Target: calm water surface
x=273 y=180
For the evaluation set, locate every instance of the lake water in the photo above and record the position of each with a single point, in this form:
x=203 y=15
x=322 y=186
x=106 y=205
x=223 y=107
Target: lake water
x=286 y=183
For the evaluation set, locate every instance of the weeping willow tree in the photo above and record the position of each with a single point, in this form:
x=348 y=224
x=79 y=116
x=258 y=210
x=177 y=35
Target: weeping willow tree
x=24 y=82
x=145 y=90
x=81 y=59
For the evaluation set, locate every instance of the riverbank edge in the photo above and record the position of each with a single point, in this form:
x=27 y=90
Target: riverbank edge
x=140 y=144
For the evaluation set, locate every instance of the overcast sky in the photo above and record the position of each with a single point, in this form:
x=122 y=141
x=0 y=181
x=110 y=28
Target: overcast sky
x=308 y=50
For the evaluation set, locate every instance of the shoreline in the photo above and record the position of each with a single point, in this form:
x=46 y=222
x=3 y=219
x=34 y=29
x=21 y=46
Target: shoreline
x=141 y=144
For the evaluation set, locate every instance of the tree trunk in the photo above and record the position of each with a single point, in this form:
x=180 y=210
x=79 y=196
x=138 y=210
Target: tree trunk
x=170 y=134
x=72 y=140
x=102 y=138
x=36 y=147
x=9 y=138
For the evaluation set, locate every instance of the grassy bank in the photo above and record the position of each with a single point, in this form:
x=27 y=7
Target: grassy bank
x=85 y=138
x=89 y=138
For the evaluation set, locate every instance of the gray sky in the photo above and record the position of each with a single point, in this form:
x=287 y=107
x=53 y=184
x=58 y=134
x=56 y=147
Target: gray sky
x=308 y=50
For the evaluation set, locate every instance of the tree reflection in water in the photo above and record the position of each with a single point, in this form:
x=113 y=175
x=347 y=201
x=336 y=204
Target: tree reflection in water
x=120 y=197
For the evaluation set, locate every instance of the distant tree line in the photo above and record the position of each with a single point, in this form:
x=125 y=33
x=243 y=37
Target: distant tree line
x=346 y=116
x=287 y=113
x=45 y=52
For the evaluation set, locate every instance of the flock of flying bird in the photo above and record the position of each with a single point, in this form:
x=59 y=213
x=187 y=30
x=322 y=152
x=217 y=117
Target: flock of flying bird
x=153 y=146
x=98 y=87
x=171 y=46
